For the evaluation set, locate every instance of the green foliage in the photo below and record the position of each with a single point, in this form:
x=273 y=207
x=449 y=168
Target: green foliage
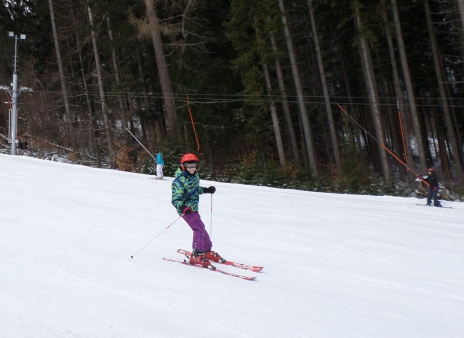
x=459 y=194
x=148 y=166
x=248 y=27
x=171 y=157
x=355 y=178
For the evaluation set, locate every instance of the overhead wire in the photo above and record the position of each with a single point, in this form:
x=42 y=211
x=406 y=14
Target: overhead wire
x=214 y=98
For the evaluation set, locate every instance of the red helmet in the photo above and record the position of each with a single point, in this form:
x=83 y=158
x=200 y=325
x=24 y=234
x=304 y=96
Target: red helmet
x=431 y=170
x=189 y=157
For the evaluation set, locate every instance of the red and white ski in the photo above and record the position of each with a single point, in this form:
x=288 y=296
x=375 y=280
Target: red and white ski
x=216 y=270
x=234 y=264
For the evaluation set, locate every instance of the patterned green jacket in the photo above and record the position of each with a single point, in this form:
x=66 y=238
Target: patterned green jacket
x=186 y=191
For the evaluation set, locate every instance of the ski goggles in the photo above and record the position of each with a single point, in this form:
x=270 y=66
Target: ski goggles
x=190 y=165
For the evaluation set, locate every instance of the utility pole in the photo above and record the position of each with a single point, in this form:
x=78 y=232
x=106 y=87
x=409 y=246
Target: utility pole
x=14 y=96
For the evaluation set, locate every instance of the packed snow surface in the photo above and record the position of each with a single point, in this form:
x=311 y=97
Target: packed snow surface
x=334 y=265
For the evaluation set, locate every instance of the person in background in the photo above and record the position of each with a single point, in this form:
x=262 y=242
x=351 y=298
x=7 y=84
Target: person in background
x=186 y=191
x=432 y=180
x=159 y=165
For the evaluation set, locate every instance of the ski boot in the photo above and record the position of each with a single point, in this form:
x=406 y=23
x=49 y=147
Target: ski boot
x=214 y=256
x=197 y=258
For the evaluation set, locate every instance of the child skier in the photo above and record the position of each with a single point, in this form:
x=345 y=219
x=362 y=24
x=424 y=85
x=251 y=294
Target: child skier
x=185 y=197
x=432 y=180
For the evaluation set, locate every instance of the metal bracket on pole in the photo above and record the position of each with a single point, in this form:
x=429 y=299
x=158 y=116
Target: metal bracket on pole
x=9 y=125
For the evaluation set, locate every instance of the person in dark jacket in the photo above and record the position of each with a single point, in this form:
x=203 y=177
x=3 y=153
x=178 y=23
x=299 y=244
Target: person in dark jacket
x=432 y=180
x=185 y=198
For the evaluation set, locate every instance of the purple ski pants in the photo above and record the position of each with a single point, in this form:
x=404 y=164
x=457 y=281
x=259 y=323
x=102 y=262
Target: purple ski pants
x=201 y=239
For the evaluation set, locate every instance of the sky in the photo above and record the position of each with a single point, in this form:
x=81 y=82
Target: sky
x=335 y=265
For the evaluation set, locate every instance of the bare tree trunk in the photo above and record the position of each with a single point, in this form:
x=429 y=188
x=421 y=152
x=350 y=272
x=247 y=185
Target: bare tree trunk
x=163 y=73
x=299 y=91
x=62 y=78
x=409 y=87
x=390 y=129
x=444 y=100
x=461 y=13
x=92 y=127
x=275 y=118
x=161 y=120
x=445 y=168
x=272 y=106
x=373 y=97
x=101 y=88
x=333 y=132
x=433 y=131
x=283 y=93
x=122 y=107
x=356 y=129
x=399 y=95
x=150 y=140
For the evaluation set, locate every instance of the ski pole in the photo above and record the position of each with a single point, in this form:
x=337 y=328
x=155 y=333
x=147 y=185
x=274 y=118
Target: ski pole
x=141 y=144
x=132 y=257
x=211 y=220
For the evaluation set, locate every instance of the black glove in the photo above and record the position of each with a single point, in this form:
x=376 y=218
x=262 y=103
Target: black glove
x=186 y=210
x=209 y=190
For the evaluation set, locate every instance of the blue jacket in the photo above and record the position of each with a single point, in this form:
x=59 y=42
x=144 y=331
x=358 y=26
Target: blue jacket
x=186 y=190
x=159 y=159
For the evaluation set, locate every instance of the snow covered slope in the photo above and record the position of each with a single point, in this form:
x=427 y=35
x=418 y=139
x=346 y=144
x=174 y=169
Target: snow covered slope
x=334 y=265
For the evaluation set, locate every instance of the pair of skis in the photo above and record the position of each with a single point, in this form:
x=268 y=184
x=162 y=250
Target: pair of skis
x=425 y=205
x=234 y=264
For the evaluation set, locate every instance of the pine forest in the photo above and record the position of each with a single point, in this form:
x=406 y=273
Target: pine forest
x=346 y=96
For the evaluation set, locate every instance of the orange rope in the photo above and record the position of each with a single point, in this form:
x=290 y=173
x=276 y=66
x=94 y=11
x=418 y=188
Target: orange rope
x=193 y=123
x=396 y=157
